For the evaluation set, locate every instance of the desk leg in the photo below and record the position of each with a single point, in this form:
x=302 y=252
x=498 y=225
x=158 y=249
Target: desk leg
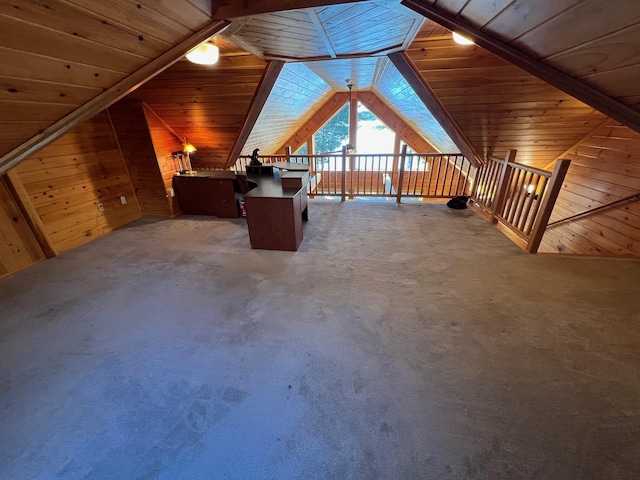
x=305 y=214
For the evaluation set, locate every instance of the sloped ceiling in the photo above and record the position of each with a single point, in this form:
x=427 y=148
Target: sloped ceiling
x=59 y=55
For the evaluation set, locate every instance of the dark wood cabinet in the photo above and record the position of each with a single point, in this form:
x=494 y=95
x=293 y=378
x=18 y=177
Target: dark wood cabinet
x=214 y=193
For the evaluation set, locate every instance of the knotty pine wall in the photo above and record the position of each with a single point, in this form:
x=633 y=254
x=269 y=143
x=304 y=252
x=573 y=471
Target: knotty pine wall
x=65 y=181
x=18 y=246
x=130 y=125
x=605 y=167
x=164 y=143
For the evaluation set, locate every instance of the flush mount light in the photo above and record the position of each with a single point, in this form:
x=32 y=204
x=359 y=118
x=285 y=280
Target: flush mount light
x=461 y=39
x=204 y=54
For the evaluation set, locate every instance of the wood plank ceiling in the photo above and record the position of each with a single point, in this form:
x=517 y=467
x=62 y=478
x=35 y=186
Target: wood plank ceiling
x=57 y=55
x=70 y=51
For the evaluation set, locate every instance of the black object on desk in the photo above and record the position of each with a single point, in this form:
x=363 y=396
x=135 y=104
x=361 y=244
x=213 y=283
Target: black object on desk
x=260 y=170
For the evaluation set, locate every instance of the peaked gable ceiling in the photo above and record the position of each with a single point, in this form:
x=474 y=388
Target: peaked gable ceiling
x=77 y=53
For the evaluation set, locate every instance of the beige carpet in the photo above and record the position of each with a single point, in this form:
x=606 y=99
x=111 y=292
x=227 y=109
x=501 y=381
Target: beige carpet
x=399 y=342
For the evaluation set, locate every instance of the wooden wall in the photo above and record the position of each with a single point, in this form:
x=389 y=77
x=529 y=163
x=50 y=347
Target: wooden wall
x=18 y=246
x=499 y=106
x=207 y=104
x=164 y=143
x=65 y=181
x=605 y=166
x=130 y=125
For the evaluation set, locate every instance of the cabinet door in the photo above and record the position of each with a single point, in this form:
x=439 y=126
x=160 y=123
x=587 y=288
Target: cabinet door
x=225 y=199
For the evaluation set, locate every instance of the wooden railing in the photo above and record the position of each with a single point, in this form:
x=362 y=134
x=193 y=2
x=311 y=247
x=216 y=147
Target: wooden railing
x=347 y=175
x=519 y=197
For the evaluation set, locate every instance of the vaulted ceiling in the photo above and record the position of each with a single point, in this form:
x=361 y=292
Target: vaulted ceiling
x=65 y=60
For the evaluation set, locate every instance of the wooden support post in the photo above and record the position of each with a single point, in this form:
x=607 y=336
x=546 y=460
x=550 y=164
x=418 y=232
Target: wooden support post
x=16 y=188
x=548 y=202
x=503 y=186
x=403 y=158
x=287 y=154
x=344 y=173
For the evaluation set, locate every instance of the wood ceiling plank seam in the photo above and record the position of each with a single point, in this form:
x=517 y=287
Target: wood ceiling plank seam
x=108 y=97
x=63 y=17
x=136 y=18
x=341 y=14
x=160 y=12
x=58 y=45
x=480 y=12
x=315 y=19
x=611 y=53
x=573 y=87
x=573 y=147
x=551 y=36
x=515 y=22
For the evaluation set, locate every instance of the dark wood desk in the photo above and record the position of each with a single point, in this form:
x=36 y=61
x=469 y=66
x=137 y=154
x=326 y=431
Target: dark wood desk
x=208 y=193
x=275 y=214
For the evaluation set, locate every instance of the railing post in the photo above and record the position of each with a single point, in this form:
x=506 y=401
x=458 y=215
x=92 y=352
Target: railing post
x=344 y=173
x=548 y=202
x=287 y=152
x=503 y=186
x=403 y=158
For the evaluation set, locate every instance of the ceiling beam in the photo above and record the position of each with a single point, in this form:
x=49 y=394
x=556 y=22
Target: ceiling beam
x=229 y=9
x=413 y=77
x=109 y=97
x=268 y=80
x=589 y=95
x=315 y=19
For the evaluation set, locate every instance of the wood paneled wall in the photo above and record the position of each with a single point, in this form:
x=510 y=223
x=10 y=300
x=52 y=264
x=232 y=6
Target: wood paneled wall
x=605 y=166
x=206 y=104
x=67 y=179
x=164 y=143
x=130 y=125
x=19 y=248
x=499 y=106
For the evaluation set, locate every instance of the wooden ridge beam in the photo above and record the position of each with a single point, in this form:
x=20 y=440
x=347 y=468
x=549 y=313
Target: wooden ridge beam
x=268 y=80
x=228 y=9
x=586 y=94
x=413 y=77
x=110 y=96
x=317 y=23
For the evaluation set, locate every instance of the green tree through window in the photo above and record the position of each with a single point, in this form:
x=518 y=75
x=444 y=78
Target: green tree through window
x=335 y=132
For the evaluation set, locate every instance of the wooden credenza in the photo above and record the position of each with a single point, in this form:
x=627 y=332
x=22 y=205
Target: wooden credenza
x=208 y=193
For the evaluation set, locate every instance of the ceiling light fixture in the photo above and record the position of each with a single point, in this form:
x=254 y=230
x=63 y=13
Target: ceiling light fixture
x=204 y=54
x=461 y=39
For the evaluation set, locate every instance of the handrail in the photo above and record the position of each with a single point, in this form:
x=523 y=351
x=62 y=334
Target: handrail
x=595 y=209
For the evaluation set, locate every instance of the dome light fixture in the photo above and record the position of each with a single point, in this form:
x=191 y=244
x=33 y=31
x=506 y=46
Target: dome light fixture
x=461 y=39
x=204 y=54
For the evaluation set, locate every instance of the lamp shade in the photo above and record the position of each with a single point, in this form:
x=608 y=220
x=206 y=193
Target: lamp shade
x=204 y=54
x=461 y=39
x=188 y=148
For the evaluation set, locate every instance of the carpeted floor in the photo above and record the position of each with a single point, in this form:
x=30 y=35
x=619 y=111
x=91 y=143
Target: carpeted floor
x=399 y=342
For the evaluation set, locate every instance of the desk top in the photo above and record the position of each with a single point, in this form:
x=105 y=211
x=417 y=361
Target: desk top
x=270 y=187
x=226 y=174
x=292 y=166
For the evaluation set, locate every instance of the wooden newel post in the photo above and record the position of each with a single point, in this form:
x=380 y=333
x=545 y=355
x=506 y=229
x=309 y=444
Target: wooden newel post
x=344 y=173
x=503 y=186
x=548 y=202
x=287 y=152
x=403 y=158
